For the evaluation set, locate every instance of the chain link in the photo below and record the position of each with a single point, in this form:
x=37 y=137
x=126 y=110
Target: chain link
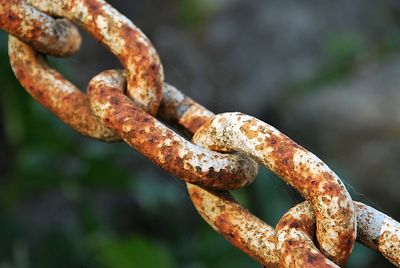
x=295 y=165
x=225 y=147
x=117 y=33
x=57 y=37
x=164 y=147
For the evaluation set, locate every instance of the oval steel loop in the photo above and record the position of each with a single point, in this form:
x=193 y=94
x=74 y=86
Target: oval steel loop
x=336 y=222
x=160 y=144
x=374 y=229
x=57 y=37
x=295 y=245
x=296 y=229
x=144 y=71
x=47 y=86
x=236 y=224
x=54 y=92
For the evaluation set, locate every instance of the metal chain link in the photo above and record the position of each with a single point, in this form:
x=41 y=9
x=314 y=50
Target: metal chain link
x=120 y=105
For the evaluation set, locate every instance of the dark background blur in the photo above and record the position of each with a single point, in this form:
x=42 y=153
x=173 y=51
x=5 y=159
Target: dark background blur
x=326 y=73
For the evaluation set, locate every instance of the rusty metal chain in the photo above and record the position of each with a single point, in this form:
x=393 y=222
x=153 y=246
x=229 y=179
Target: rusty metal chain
x=225 y=150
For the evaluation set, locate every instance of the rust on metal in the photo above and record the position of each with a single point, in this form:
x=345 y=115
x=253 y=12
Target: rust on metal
x=236 y=224
x=144 y=71
x=160 y=144
x=235 y=139
x=336 y=220
x=57 y=37
x=177 y=107
x=374 y=229
x=295 y=231
x=54 y=92
x=295 y=245
x=379 y=232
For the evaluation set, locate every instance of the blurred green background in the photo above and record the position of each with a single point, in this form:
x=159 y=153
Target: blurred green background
x=325 y=73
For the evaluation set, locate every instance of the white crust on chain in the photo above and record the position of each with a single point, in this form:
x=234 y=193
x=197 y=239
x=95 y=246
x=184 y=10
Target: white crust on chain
x=379 y=231
x=160 y=144
x=336 y=223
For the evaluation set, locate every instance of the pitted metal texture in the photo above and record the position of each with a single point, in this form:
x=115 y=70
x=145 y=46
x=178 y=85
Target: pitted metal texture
x=121 y=106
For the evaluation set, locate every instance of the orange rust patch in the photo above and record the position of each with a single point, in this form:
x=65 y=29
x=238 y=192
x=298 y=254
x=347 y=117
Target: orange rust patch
x=247 y=130
x=304 y=223
x=196 y=197
x=332 y=189
x=193 y=123
x=93 y=6
x=222 y=222
x=301 y=256
x=283 y=150
x=346 y=241
x=222 y=120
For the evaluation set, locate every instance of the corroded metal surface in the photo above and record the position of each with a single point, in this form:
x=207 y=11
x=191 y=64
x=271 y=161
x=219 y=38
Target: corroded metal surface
x=218 y=208
x=379 y=232
x=292 y=244
x=181 y=109
x=116 y=32
x=54 y=92
x=236 y=224
x=296 y=228
x=160 y=144
x=295 y=244
x=294 y=231
x=336 y=222
x=57 y=37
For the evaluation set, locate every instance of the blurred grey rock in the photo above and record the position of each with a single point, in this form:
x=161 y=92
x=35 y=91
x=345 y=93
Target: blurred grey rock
x=356 y=125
